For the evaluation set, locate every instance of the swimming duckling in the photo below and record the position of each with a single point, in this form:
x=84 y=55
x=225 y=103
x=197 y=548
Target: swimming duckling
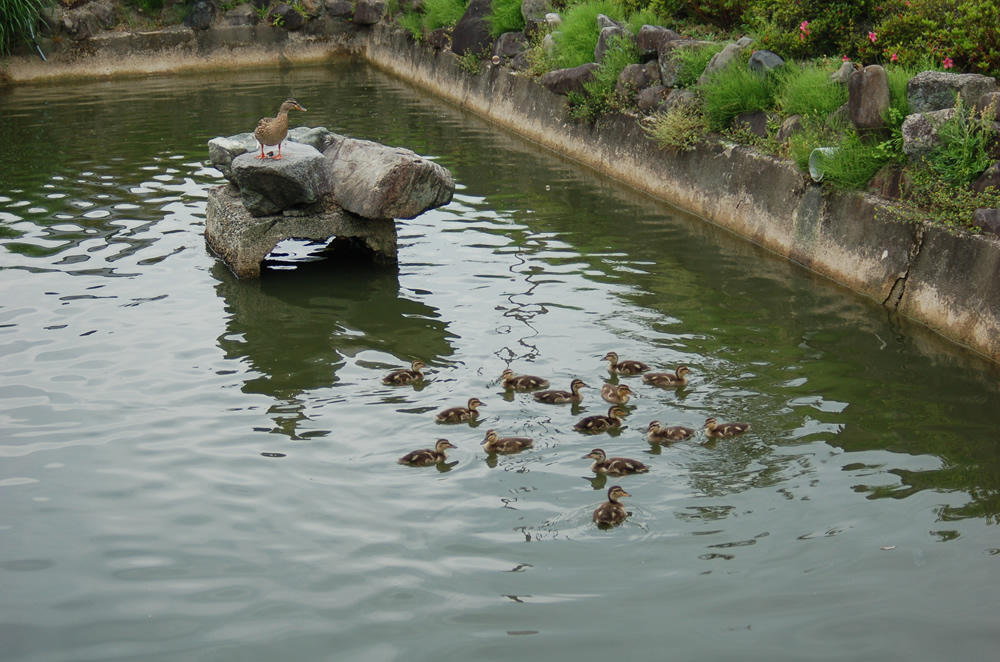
x=719 y=430
x=617 y=395
x=657 y=433
x=627 y=367
x=675 y=378
x=559 y=397
x=614 y=466
x=493 y=443
x=404 y=376
x=599 y=423
x=425 y=457
x=459 y=414
x=522 y=382
x=612 y=511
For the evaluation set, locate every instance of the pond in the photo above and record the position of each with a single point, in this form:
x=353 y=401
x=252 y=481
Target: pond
x=201 y=468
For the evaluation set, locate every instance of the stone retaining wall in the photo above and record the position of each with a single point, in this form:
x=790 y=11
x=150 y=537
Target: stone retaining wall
x=947 y=282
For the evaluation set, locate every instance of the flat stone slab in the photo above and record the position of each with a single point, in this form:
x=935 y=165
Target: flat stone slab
x=243 y=240
x=269 y=186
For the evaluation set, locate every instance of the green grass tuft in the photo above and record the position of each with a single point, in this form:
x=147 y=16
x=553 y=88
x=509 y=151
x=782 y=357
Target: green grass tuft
x=505 y=17
x=809 y=91
x=442 y=13
x=735 y=90
x=577 y=38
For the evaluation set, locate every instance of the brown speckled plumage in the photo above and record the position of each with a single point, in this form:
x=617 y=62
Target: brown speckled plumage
x=493 y=443
x=522 y=382
x=274 y=130
x=612 y=511
x=627 y=367
x=425 y=457
x=405 y=376
x=460 y=414
x=656 y=433
x=718 y=430
x=614 y=466
x=676 y=378
x=559 y=397
x=600 y=422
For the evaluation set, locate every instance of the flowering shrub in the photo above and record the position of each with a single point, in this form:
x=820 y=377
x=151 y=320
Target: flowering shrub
x=963 y=35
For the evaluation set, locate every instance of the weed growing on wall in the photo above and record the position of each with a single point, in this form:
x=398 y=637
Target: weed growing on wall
x=17 y=21
x=505 y=16
x=735 y=90
x=577 y=38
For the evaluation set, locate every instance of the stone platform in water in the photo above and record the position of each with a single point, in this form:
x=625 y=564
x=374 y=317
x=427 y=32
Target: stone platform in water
x=243 y=240
x=324 y=186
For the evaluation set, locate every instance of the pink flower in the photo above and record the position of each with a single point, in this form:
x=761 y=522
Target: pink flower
x=894 y=57
x=948 y=63
x=872 y=36
x=846 y=59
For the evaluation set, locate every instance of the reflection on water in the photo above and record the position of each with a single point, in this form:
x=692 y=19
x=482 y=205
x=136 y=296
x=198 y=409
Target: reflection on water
x=197 y=467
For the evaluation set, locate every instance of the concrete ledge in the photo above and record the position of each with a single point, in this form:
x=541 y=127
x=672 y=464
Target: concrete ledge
x=946 y=282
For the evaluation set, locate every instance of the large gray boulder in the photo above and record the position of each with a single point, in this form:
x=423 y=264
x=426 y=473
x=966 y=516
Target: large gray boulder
x=649 y=39
x=202 y=14
x=936 y=90
x=241 y=15
x=286 y=16
x=222 y=150
x=472 y=32
x=368 y=12
x=920 y=132
x=637 y=77
x=564 y=81
x=509 y=45
x=722 y=59
x=269 y=186
x=80 y=24
x=868 y=98
x=377 y=181
x=534 y=9
x=652 y=98
x=609 y=35
x=763 y=62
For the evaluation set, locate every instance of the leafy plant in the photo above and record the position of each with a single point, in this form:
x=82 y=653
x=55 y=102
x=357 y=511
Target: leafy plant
x=963 y=153
x=939 y=202
x=577 y=38
x=681 y=128
x=505 y=16
x=471 y=63
x=17 y=21
x=601 y=95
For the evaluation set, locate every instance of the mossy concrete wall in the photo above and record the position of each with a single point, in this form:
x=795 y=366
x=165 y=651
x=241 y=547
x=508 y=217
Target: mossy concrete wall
x=949 y=283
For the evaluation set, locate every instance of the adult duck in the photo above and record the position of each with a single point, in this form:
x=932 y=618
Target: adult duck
x=273 y=130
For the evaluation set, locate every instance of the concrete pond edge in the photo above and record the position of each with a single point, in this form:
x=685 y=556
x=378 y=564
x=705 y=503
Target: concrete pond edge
x=943 y=280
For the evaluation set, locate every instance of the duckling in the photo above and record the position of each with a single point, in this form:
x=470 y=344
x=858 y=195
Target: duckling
x=627 y=367
x=425 y=457
x=614 y=466
x=274 y=130
x=559 y=397
x=493 y=443
x=675 y=378
x=617 y=395
x=657 y=433
x=719 y=430
x=459 y=414
x=599 y=423
x=405 y=376
x=612 y=511
x=522 y=382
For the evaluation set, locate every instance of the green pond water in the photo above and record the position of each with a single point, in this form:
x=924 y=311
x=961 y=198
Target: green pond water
x=198 y=468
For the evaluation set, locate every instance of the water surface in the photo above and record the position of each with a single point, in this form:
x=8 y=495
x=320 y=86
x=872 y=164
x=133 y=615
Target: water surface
x=200 y=468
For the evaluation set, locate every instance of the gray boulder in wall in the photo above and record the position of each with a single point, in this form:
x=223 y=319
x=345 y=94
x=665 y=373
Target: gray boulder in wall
x=936 y=90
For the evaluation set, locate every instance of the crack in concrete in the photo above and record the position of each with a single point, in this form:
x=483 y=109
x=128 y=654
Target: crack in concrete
x=899 y=287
